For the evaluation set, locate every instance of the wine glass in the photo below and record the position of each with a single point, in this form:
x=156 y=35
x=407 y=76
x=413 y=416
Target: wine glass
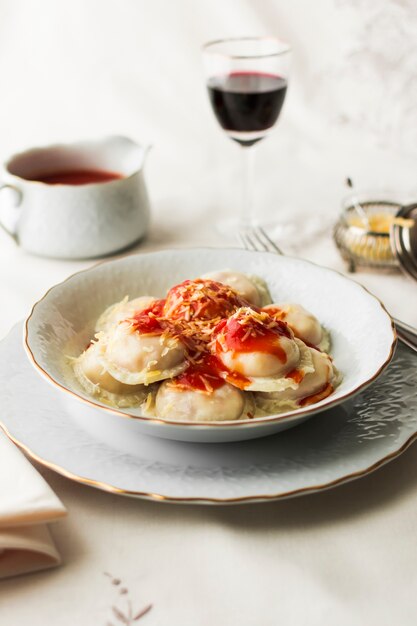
x=247 y=82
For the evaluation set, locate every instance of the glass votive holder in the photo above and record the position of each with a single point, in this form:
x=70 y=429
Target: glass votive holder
x=363 y=245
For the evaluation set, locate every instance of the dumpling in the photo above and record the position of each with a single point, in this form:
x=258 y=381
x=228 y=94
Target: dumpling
x=256 y=350
x=303 y=323
x=201 y=299
x=135 y=357
x=315 y=386
x=224 y=403
x=252 y=288
x=122 y=311
x=91 y=373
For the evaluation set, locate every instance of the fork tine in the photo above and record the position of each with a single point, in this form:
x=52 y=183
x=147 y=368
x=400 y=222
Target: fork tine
x=255 y=238
x=250 y=241
x=258 y=244
x=243 y=239
x=269 y=245
x=253 y=242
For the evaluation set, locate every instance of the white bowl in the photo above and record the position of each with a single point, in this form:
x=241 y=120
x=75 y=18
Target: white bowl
x=62 y=323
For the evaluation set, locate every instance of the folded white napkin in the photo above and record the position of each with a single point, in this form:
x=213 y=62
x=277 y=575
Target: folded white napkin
x=27 y=504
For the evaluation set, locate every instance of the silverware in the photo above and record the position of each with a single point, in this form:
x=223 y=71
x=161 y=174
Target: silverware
x=255 y=238
x=405 y=328
x=406 y=341
x=406 y=333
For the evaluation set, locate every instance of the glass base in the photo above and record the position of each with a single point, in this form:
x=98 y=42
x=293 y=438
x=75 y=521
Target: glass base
x=289 y=234
x=230 y=227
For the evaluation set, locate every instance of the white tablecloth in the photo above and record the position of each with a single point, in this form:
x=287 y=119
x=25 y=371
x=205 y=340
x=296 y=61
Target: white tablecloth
x=81 y=69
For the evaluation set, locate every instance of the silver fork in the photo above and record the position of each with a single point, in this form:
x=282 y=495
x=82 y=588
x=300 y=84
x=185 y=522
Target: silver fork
x=255 y=238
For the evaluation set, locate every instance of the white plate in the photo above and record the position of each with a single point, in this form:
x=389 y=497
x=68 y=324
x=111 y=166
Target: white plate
x=62 y=322
x=339 y=445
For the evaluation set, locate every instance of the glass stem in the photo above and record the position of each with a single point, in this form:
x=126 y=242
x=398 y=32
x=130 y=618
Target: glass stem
x=247 y=216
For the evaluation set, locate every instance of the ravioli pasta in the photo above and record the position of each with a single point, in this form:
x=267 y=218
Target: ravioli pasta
x=215 y=348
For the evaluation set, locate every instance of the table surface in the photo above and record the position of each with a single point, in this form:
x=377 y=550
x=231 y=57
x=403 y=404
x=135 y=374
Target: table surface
x=345 y=556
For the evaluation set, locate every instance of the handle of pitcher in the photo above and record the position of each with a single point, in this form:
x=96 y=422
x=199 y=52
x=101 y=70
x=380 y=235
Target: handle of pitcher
x=15 y=204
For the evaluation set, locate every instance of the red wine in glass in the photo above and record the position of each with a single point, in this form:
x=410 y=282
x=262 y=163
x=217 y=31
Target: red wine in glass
x=246 y=79
x=247 y=104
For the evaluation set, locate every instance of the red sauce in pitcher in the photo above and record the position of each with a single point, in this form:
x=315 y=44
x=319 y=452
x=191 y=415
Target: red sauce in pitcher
x=77 y=177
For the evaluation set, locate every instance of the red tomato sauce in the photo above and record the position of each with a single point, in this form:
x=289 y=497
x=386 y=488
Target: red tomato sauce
x=147 y=322
x=316 y=397
x=78 y=177
x=202 y=376
x=204 y=299
x=261 y=339
x=296 y=375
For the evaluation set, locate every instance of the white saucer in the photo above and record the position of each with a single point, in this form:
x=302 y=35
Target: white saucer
x=341 y=444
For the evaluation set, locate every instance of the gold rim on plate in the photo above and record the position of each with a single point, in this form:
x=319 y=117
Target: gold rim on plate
x=204 y=500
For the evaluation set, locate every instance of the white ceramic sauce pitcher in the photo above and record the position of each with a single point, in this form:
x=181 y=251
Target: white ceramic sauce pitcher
x=76 y=221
